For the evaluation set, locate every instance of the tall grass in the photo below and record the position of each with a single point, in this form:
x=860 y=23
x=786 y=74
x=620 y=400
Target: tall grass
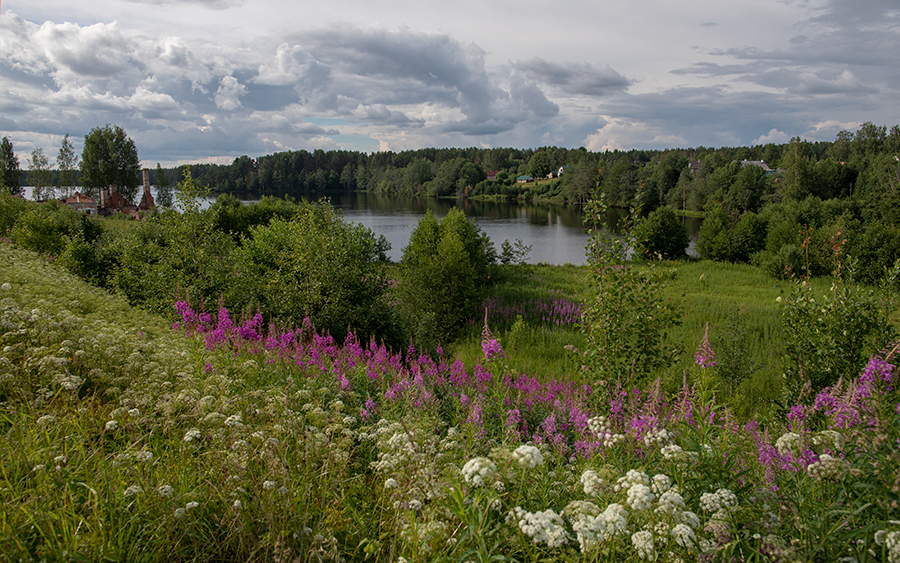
x=220 y=439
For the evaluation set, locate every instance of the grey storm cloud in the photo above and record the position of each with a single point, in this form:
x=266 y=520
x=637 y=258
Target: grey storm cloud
x=575 y=78
x=417 y=68
x=212 y=4
x=263 y=76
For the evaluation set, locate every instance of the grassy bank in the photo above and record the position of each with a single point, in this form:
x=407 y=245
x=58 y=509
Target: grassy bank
x=125 y=438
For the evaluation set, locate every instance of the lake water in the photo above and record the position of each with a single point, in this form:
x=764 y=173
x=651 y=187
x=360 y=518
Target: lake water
x=554 y=232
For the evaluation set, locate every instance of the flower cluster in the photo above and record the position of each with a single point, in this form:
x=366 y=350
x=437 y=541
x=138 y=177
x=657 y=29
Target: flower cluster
x=705 y=356
x=480 y=471
x=545 y=526
x=528 y=456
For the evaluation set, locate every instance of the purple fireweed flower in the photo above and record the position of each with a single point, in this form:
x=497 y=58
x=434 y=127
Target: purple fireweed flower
x=705 y=357
x=796 y=416
x=492 y=349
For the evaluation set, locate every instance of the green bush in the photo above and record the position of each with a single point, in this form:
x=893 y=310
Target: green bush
x=444 y=268
x=318 y=266
x=661 y=234
x=44 y=228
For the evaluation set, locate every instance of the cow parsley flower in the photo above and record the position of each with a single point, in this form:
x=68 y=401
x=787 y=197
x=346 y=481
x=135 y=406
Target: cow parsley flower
x=478 y=471
x=633 y=477
x=112 y=426
x=542 y=527
x=592 y=482
x=788 y=443
x=639 y=497
x=643 y=544
x=684 y=535
x=165 y=491
x=719 y=500
x=234 y=421
x=191 y=435
x=661 y=483
x=827 y=467
x=269 y=485
x=528 y=456
x=133 y=490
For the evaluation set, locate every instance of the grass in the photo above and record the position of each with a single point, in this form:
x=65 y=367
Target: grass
x=174 y=449
x=737 y=300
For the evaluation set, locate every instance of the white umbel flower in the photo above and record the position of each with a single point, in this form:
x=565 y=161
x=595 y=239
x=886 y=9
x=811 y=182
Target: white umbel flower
x=528 y=456
x=545 y=527
x=478 y=471
x=643 y=544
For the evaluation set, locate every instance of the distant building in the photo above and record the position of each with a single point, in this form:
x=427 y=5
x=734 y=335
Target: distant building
x=761 y=163
x=524 y=179
x=82 y=202
x=492 y=175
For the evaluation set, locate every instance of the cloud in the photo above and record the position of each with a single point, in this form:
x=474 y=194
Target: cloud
x=773 y=136
x=96 y=51
x=211 y=4
x=844 y=83
x=575 y=78
x=228 y=96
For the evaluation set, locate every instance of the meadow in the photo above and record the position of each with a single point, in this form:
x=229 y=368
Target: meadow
x=217 y=437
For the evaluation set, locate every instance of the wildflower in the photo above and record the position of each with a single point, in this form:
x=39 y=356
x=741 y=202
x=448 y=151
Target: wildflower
x=46 y=420
x=670 y=502
x=592 y=482
x=542 y=527
x=477 y=471
x=237 y=504
x=165 y=491
x=720 y=500
x=616 y=518
x=134 y=412
x=528 y=457
x=390 y=483
x=112 y=426
x=830 y=439
x=6 y=286
x=191 y=435
x=633 y=477
x=639 y=497
x=684 y=535
x=144 y=456
x=788 y=443
x=661 y=483
x=133 y=490
x=492 y=349
x=269 y=485
x=191 y=505
x=643 y=544
x=827 y=467
x=39 y=467
x=234 y=421
x=705 y=356
x=179 y=513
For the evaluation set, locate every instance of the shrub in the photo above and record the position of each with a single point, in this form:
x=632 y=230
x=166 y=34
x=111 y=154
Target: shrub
x=44 y=228
x=318 y=266
x=661 y=233
x=444 y=267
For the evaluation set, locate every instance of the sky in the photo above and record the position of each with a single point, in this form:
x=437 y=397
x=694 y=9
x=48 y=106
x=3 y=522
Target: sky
x=211 y=80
